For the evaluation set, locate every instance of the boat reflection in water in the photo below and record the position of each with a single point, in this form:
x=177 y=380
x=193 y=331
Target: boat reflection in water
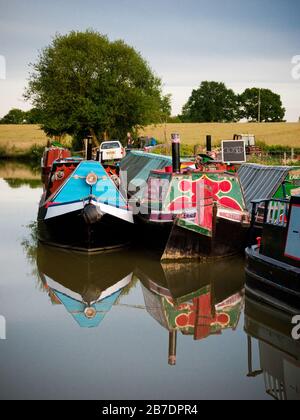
x=87 y=285
x=279 y=352
x=196 y=299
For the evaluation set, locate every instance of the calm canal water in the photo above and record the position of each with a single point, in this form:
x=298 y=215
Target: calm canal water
x=49 y=353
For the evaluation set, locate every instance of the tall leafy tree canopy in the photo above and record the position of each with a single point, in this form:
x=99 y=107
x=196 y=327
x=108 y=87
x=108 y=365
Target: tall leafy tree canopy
x=261 y=104
x=85 y=84
x=211 y=102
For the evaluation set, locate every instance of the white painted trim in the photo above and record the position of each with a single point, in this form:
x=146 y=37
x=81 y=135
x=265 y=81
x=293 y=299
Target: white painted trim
x=230 y=214
x=59 y=210
x=123 y=214
x=52 y=284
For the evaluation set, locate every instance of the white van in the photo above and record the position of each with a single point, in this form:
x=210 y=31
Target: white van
x=112 y=150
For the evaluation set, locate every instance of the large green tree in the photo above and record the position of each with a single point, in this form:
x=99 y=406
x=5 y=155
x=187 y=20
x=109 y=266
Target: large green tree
x=211 y=102
x=261 y=105
x=84 y=84
x=34 y=116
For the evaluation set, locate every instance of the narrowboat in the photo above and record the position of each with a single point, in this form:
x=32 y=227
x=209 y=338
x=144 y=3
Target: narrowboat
x=82 y=207
x=87 y=286
x=51 y=153
x=279 y=352
x=266 y=182
x=273 y=263
x=192 y=211
x=196 y=300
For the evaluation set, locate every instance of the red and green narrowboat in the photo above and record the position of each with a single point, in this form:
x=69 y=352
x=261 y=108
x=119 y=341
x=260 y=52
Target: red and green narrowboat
x=195 y=213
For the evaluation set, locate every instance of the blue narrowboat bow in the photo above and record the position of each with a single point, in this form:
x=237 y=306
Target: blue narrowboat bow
x=82 y=207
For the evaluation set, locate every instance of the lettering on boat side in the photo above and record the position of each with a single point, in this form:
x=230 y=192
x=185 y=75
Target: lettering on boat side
x=296 y=68
x=2 y=328
x=296 y=329
x=2 y=67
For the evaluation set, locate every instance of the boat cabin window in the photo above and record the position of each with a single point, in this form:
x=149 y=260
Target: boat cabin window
x=292 y=249
x=110 y=145
x=158 y=188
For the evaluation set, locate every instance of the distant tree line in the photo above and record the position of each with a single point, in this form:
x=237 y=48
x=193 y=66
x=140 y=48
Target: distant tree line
x=214 y=102
x=17 y=116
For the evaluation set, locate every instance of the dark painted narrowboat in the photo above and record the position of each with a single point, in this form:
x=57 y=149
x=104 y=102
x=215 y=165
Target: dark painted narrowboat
x=279 y=351
x=273 y=264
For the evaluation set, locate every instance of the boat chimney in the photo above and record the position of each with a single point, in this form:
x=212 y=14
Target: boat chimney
x=89 y=148
x=176 y=153
x=172 y=347
x=208 y=144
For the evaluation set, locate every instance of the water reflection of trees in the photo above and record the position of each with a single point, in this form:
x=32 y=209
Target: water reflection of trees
x=30 y=247
x=18 y=174
x=18 y=183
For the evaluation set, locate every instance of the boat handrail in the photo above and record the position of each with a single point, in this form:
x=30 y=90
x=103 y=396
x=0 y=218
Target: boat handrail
x=265 y=200
x=275 y=211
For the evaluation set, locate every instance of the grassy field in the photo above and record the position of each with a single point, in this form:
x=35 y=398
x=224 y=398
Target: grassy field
x=285 y=134
x=18 y=139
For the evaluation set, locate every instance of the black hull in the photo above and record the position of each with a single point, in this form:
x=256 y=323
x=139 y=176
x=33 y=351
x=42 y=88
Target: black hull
x=70 y=231
x=230 y=239
x=265 y=322
x=271 y=281
x=155 y=234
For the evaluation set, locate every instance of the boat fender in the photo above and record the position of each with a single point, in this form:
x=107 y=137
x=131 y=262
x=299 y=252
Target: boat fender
x=92 y=214
x=258 y=240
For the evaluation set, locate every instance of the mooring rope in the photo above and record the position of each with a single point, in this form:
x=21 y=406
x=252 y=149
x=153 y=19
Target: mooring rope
x=131 y=306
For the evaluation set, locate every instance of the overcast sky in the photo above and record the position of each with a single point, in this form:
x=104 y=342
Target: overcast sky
x=243 y=43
